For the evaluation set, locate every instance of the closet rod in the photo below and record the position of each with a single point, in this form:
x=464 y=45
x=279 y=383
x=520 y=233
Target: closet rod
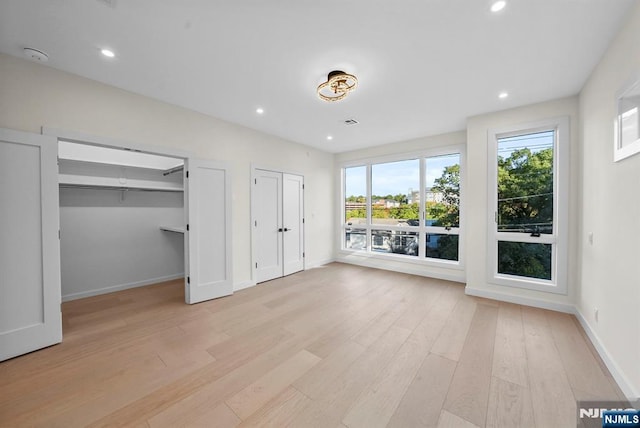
x=172 y=170
x=137 y=189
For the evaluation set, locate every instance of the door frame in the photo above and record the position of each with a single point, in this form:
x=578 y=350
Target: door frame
x=187 y=156
x=252 y=219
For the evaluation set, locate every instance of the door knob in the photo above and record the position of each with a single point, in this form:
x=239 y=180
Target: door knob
x=286 y=230
x=280 y=230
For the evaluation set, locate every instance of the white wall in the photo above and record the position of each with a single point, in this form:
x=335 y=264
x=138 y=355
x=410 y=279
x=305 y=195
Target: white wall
x=32 y=95
x=412 y=146
x=610 y=268
x=108 y=243
x=477 y=202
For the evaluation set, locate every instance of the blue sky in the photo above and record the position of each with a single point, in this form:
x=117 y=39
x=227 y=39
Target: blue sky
x=395 y=177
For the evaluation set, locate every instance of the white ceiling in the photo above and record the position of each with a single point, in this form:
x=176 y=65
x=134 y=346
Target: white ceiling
x=423 y=66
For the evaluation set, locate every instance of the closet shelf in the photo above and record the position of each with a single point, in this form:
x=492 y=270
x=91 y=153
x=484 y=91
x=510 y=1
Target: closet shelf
x=176 y=229
x=111 y=183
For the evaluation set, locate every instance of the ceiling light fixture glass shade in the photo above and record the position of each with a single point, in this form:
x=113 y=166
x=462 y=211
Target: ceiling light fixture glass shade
x=498 y=6
x=337 y=86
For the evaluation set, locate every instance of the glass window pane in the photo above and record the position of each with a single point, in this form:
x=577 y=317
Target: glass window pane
x=442 y=246
x=628 y=116
x=355 y=239
x=525 y=183
x=443 y=190
x=393 y=186
x=398 y=242
x=355 y=194
x=525 y=259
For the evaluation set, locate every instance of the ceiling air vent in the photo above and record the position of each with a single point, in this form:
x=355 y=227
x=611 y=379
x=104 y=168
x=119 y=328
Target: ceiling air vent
x=351 y=122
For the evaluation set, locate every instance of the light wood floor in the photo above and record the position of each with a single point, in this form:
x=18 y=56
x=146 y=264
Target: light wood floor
x=330 y=347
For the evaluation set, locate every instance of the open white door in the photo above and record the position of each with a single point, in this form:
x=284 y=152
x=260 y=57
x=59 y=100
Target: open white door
x=30 y=296
x=208 y=259
x=292 y=222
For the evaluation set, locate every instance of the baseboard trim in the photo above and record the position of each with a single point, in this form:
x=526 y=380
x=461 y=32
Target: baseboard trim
x=242 y=285
x=318 y=263
x=119 y=287
x=627 y=388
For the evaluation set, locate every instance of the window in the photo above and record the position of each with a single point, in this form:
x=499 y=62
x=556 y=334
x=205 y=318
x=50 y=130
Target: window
x=407 y=208
x=528 y=212
x=392 y=186
x=442 y=206
x=627 y=123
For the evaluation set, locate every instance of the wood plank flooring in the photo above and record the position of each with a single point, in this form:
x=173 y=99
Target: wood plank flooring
x=336 y=346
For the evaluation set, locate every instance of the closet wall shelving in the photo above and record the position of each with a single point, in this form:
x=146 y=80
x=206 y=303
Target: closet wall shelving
x=131 y=194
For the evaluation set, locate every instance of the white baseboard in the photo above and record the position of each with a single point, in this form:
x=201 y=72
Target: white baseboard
x=119 y=287
x=526 y=301
x=242 y=285
x=627 y=388
x=318 y=263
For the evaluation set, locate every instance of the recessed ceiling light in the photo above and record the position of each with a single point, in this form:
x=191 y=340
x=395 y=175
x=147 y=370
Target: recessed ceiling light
x=259 y=110
x=498 y=6
x=329 y=137
x=108 y=53
x=503 y=95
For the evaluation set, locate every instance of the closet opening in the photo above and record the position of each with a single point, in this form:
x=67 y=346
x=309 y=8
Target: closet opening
x=122 y=218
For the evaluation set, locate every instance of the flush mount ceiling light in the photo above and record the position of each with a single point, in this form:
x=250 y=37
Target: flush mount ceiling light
x=498 y=6
x=503 y=95
x=337 y=86
x=108 y=53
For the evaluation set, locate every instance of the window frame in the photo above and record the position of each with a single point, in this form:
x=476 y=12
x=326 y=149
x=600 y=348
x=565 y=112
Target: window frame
x=559 y=238
x=422 y=229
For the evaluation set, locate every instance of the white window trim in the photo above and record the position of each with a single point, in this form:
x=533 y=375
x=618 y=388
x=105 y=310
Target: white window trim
x=622 y=152
x=560 y=237
x=422 y=230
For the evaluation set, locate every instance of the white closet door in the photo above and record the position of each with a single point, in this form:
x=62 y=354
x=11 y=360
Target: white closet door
x=268 y=224
x=208 y=259
x=30 y=297
x=292 y=222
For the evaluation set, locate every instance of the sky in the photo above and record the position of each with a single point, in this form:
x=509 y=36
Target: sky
x=393 y=178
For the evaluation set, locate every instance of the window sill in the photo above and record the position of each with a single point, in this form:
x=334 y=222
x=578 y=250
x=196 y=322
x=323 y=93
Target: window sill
x=528 y=284
x=395 y=258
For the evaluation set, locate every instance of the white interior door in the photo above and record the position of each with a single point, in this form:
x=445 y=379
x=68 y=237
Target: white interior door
x=30 y=296
x=277 y=207
x=268 y=224
x=208 y=255
x=292 y=222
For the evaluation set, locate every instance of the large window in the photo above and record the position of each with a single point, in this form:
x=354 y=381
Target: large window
x=528 y=208
x=407 y=208
x=442 y=204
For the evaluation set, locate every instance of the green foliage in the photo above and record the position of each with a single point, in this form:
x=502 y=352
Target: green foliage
x=525 y=204
x=525 y=191
x=523 y=259
x=358 y=199
x=446 y=213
